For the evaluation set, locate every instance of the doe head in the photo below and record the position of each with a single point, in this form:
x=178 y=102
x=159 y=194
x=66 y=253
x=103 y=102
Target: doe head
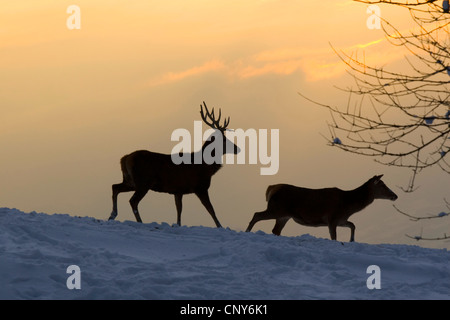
x=380 y=190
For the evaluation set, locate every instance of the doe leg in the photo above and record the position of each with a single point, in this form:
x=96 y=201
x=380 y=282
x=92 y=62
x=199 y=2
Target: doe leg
x=352 y=229
x=204 y=198
x=332 y=228
x=134 y=201
x=258 y=216
x=279 y=225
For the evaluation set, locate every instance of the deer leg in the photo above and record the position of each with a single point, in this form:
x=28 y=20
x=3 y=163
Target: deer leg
x=204 y=198
x=352 y=228
x=258 y=216
x=116 y=189
x=332 y=228
x=179 y=206
x=279 y=225
x=255 y=219
x=134 y=201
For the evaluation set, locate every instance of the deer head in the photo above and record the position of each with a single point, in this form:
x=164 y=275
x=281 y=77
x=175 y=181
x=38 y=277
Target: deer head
x=380 y=190
x=218 y=138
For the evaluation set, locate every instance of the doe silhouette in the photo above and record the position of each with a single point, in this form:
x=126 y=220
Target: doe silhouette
x=330 y=207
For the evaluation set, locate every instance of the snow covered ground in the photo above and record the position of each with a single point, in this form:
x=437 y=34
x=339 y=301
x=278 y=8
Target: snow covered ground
x=127 y=260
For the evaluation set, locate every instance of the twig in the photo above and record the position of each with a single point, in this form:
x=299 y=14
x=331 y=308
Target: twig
x=431 y=239
x=414 y=218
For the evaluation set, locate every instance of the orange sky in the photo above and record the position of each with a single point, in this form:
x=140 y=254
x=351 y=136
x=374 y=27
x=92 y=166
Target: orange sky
x=75 y=101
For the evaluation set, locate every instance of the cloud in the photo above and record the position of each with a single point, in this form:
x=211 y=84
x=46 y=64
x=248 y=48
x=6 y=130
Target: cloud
x=170 y=77
x=368 y=44
x=314 y=67
x=278 y=67
x=315 y=64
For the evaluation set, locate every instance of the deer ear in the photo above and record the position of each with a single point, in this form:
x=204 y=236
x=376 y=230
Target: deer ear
x=377 y=179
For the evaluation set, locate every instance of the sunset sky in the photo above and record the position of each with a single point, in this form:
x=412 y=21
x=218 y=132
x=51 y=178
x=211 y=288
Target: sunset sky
x=75 y=101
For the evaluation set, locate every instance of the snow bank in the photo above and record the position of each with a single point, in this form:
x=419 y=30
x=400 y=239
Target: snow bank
x=127 y=260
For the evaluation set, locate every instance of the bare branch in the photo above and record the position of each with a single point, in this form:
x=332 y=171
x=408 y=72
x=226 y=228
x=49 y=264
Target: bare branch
x=415 y=218
x=445 y=236
x=400 y=119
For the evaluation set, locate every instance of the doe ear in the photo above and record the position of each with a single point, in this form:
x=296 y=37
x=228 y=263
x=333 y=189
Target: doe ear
x=378 y=178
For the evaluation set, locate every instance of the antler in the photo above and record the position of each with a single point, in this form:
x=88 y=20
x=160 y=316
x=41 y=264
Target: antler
x=214 y=123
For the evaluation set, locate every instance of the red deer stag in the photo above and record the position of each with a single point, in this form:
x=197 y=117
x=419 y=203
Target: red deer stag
x=319 y=207
x=145 y=170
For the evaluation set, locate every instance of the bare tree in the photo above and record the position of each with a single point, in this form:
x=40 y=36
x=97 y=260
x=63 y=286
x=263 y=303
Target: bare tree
x=401 y=118
x=427 y=217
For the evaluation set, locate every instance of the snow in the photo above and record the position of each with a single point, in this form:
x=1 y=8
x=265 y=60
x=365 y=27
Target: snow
x=429 y=120
x=337 y=141
x=128 y=260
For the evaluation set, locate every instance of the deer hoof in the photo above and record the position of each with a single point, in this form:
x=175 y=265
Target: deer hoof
x=113 y=215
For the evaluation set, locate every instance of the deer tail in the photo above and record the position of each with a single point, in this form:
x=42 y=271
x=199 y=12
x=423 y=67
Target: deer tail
x=125 y=165
x=271 y=190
